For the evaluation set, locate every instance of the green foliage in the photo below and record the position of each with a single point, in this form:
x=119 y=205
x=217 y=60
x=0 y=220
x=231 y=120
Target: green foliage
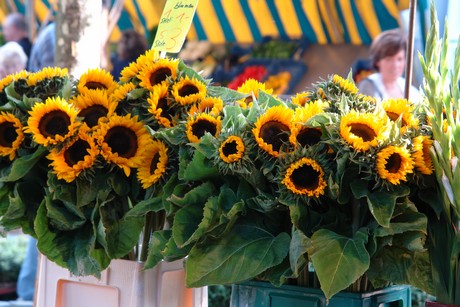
x=12 y=253
x=442 y=92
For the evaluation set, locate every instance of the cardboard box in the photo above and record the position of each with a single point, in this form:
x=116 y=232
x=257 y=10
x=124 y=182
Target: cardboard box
x=123 y=284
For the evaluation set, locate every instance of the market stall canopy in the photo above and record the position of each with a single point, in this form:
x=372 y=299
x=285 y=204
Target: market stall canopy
x=320 y=21
x=246 y=21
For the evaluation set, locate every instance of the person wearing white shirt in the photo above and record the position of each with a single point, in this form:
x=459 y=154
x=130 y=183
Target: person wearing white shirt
x=388 y=57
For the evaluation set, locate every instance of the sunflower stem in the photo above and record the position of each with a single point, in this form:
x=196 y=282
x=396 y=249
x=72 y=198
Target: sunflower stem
x=149 y=223
x=356 y=212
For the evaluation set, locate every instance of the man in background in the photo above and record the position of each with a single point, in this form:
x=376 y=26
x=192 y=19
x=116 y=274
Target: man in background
x=15 y=29
x=42 y=53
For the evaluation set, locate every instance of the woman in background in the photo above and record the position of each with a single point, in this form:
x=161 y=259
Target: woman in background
x=130 y=46
x=12 y=59
x=388 y=57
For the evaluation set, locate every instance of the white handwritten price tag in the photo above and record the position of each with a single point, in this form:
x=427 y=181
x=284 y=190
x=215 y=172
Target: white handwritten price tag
x=174 y=24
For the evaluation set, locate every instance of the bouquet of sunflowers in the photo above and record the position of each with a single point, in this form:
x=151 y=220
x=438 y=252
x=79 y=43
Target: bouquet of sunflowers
x=244 y=185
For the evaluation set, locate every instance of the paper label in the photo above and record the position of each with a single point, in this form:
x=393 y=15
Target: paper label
x=174 y=24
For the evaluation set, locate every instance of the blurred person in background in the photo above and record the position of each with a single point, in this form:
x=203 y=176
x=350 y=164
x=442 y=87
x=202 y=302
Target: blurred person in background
x=42 y=53
x=12 y=59
x=388 y=57
x=15 y=29
x=130 y=46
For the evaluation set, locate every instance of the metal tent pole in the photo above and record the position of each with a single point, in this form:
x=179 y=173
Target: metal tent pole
x=410 y=47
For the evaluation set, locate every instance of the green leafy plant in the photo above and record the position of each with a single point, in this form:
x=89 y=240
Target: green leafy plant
x=12 y=252
x=442 y=93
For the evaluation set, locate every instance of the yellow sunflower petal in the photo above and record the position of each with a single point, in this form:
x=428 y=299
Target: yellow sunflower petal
x=11 y=135
x=52 y=122
x=394 y=163
x=75 y=157
x=122 y=140
x=273 y=128
x=305 y=177
x=362 y=130
x=154 y=164
x=187 y=91
x=198 y=125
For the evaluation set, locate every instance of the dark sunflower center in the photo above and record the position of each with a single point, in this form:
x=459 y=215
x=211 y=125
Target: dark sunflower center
x=122 y=141
x=76 y=152
x=305 y=177
x=230 y=148
x=248 y=99
x=308 y=137
x=363 y=131
x=394 y=117
x=202 y=126
x=54 y=123
x=154 y=163
x=393 y=163
x=160 y=75
x=187 y=90
x=274 y=133
x=166 y=110
x=8 y=134
x=92 y=114
x=92 y=85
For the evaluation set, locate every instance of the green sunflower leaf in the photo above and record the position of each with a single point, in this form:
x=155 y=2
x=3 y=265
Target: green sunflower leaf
x=191 y=222
x=193 y=197
x=64 y=216
x=247 y=251
x=298 y=251
x=268 y=101
x=226 y=94
x=72 y=250
x=157 y=244
x=21 y=166
x=338 y=260
x=200 y=168
x=381 y=202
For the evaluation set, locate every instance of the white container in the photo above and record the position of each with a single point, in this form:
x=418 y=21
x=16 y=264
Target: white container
x=123 y=284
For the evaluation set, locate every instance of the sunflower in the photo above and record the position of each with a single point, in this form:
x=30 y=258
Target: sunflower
x=251 y=87
x=421 y=154
x=46 y=74
x=301 y=134
x=396 y=108
x=20 y=84
x=52 y=122
x=132 y=70
x=4 y=83
x=160 y=105
x=157 y=72
x=96 y=79
x=232 y=149
x=345 y=85
x=211 y=105
x=75 y=157
x=273 y=129
x=122 y=140
x=394 y=163
x=305 y=177
x=300 y=99
x=198 y=125
x=11 y=135
x=121 y=97
x=93 y=105
x=188 y=91
x=362 y=130
x=153 y=166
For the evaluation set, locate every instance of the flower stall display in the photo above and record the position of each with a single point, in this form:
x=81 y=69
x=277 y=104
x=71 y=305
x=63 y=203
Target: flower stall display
x=443 y=211
x=242 y=184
